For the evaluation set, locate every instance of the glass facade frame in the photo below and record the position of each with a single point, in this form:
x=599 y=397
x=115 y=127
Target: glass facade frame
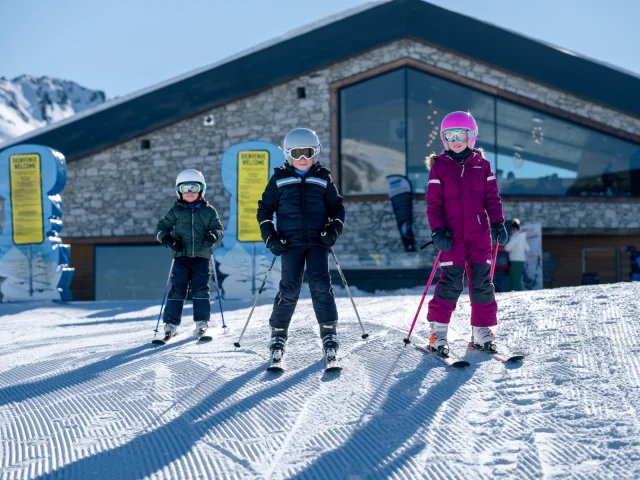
x=532 y=152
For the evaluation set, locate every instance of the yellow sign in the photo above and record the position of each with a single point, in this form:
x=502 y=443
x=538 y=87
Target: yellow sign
x=253 y=176
x=26 y=199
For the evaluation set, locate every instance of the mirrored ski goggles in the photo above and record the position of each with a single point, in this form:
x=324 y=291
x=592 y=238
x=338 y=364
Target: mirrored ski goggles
x=306 y=152
x=189 y=187
x=458 y=135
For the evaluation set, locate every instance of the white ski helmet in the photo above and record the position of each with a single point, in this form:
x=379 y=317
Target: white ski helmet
x=190 y=175
x=301 y=138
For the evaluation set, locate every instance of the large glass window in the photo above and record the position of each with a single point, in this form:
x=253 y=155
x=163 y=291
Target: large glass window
x=429 y=99
x=390 y=123
x=539 y=154
x=372 y=133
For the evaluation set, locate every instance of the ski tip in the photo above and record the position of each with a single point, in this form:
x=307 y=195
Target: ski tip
x=460 y=364
x=333 y=370
x=158 y=342
x=205 y=339
x=275 y=369
x=515 y=358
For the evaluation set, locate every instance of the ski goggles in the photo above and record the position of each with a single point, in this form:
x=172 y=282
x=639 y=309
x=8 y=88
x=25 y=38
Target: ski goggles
x=456 y=135
x=298 y=153
x=189 y=187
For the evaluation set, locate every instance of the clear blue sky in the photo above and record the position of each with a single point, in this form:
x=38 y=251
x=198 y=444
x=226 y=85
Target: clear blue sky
x=121 y=46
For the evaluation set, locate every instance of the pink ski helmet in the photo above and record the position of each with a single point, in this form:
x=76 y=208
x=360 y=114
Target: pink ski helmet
x=462 y=120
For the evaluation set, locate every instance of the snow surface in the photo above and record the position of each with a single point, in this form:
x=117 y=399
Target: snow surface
x=28 y=103
x=83 y=394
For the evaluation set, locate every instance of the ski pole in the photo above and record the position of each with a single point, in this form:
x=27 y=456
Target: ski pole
x=495 y=257
x=164 y=297
x=433 y=272
x=237 y=344
x=215 y=275
x=344 y=281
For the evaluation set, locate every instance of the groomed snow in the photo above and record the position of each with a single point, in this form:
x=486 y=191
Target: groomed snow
x=84 y=395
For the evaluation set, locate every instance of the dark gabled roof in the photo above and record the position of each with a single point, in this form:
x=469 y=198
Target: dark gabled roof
x=362 y=29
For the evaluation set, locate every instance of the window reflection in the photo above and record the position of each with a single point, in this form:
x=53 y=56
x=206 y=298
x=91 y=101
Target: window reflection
x=372 y=133
x=539 y=154
x=385 y=132
x=429 y=100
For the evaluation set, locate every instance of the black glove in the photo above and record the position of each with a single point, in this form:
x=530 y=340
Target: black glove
x=332 y=231
x=276 y=244
x=499 y=232
x=442 y=239
x=173 y=243
x=210 y=239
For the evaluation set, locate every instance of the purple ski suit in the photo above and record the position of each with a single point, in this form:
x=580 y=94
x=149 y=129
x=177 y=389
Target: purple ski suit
x=465 y=199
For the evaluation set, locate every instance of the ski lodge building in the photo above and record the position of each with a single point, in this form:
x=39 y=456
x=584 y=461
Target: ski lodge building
x=562 y=133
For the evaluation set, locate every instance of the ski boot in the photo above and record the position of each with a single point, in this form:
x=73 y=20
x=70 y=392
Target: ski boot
x=329 y=335
x=276 y=346
x=201 y=329
x=438 y=338
x=170 y=331
x=484 y=339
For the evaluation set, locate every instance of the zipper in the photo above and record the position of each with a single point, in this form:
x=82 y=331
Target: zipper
x=462 y=170
x=193 y=241
x=303 y=195
x=479 y=223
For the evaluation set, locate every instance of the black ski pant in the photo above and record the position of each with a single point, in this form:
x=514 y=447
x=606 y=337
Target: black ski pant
x=293 y=263
x=194 y=271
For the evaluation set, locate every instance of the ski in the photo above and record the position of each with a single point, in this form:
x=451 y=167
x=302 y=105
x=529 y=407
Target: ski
x=277 y=363
x=165 y=340
x=500 y=356
x=451 y=359
x=205 y=339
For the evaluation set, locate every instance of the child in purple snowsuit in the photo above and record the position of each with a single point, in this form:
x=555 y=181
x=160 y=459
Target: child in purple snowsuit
x=465 y=214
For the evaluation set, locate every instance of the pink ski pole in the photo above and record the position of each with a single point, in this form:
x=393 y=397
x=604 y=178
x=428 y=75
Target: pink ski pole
x=495 y=257
x=433 y=272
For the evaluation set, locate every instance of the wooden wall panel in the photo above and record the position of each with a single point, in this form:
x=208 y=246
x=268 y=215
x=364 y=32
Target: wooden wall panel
x=567 y=250
x=82 y=282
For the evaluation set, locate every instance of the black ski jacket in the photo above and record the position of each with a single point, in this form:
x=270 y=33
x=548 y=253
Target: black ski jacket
x=303 y=205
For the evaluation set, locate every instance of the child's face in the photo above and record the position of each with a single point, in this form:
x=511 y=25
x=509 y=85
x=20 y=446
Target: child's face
x=458 y=147
x=302 y=163
x=190 y=197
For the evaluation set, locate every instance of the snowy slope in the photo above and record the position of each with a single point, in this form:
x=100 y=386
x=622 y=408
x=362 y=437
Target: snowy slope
x=28 y=103
x=83 y=394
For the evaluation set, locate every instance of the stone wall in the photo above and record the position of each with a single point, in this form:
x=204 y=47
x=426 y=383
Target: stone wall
x=123 y=191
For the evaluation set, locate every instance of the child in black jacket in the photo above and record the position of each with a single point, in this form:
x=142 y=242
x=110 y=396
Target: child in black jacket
x=310 y=217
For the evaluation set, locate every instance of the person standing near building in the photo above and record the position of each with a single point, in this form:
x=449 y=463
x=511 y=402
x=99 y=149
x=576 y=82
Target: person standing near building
x=517 y=246
x=465 y=213
x=310 y=217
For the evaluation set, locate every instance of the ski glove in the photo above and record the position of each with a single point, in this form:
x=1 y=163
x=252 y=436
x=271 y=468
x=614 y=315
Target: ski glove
x=500 y=233
x=210 y=239
x=442 y=239
x=332 y=231
x=173 y=243
x=276 y=244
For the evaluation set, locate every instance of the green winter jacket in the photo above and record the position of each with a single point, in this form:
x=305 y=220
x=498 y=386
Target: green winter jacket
x=190 y=225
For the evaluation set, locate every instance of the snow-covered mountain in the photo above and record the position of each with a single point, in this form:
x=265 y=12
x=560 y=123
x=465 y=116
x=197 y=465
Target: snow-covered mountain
x=28 y=103
x=84 y=395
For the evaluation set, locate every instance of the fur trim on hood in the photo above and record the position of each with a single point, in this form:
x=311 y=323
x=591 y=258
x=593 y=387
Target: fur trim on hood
x=433 y=158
